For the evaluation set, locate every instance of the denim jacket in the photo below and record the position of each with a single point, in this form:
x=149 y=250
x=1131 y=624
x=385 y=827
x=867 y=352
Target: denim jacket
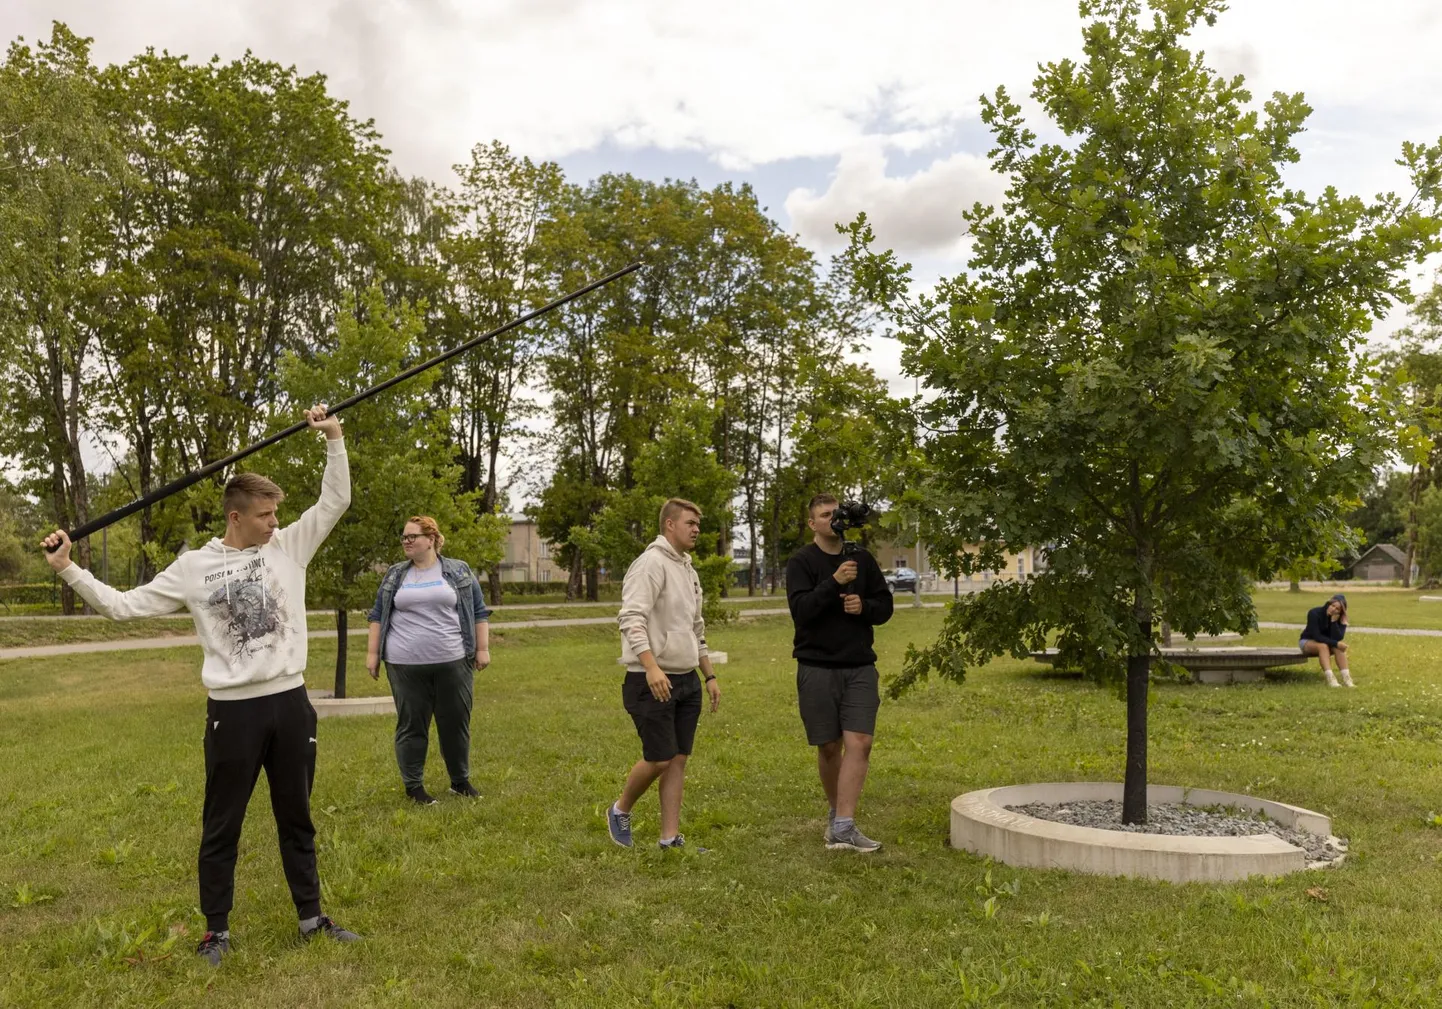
x=470 y=602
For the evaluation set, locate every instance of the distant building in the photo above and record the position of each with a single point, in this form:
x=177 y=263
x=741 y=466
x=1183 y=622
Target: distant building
x=1021 y=563
x=528 y=556
x=1380 y=563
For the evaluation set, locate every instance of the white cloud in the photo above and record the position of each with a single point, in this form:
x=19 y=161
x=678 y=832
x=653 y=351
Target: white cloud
x=916 y=213
x=746 y=82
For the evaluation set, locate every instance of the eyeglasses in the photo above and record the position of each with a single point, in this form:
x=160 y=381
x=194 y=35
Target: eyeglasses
x=412 y=537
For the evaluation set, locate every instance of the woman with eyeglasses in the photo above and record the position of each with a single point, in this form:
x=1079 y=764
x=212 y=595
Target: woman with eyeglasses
x=429 y=624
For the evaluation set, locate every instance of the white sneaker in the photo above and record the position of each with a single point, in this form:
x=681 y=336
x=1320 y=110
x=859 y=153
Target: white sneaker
x=1346 y=678
x=1331 y=680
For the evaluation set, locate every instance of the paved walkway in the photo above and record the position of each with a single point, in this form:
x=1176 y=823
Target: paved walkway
x=190 y=640
x=743 y=602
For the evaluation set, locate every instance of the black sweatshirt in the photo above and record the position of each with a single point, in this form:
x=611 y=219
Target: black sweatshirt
x=826 y=635
x=1323 y=628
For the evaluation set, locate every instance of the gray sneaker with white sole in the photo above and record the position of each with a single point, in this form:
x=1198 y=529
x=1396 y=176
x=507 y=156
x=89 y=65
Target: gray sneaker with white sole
x=850 y=839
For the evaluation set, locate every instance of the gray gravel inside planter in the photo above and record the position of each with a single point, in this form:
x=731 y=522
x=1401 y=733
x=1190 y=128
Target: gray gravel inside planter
x=1177 y=818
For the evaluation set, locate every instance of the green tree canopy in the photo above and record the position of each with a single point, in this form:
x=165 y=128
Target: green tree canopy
x=400 y=459
x=1149 y=369
x=680 y=463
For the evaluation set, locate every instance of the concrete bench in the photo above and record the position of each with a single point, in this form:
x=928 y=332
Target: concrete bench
x=1232 y=664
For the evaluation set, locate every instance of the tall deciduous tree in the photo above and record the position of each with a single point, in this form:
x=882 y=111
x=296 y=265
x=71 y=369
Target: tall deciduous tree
x=1150 y=369
x=719 y=314
x=848 y=437
x=496 y=272
x=400 y=461
x=1415 y=367
x=1382 y=515
x=59 y=163
x=254 y=207
x=20 y=529
x=682 y=463
x=609 y=362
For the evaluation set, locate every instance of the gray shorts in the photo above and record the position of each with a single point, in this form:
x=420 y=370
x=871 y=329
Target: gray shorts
x=834 y=701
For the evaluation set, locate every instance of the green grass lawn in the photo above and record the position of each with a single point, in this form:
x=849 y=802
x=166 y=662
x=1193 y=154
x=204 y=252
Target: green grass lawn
x=1365 y=607
x=521 y=900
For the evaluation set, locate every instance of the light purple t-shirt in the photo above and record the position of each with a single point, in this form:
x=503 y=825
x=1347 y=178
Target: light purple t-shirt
x=425 y=626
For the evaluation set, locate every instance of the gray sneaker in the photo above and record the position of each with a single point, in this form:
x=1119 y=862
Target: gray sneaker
x=850 y=839
x=324 y=926
x=678 y=843
x=214 y=946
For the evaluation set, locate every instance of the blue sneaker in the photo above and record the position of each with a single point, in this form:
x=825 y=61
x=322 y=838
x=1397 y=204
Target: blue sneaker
x=619 y=824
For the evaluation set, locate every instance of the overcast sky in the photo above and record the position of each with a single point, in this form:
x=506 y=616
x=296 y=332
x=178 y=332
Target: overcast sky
x=826 y=107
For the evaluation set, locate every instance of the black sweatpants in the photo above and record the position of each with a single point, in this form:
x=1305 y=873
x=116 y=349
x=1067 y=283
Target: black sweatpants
x=442 y=689
x=276 y=732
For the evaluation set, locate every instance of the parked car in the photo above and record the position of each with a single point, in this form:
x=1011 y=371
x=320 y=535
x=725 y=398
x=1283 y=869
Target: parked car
x=900 y=579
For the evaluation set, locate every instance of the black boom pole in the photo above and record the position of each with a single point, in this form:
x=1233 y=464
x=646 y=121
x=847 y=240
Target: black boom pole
x=110 y=518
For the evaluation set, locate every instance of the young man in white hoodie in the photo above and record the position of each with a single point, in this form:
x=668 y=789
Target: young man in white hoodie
x=663 y=642
x=246 y=593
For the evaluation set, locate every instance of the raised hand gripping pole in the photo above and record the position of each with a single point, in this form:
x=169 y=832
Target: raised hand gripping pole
x=110 y=518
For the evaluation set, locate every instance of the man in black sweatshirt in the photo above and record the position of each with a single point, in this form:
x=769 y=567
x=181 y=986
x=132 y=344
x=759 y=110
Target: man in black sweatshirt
x=835 y=599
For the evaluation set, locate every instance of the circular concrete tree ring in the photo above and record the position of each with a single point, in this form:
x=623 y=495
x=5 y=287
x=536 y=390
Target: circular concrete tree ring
x=981 y=823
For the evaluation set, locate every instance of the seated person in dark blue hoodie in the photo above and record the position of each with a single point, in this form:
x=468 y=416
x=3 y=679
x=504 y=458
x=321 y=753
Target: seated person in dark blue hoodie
x=1323 y=638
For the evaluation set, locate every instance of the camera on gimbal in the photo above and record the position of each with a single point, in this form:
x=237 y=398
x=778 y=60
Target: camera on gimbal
x=849 y=515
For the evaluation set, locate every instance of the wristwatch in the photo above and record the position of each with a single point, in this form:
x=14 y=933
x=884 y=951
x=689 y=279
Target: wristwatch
x=710 y=678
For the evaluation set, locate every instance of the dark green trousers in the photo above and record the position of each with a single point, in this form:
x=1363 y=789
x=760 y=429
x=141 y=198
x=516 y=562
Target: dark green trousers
x=444 y=690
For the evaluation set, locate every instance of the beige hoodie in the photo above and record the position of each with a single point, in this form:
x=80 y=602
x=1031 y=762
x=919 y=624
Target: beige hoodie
x=661 y=610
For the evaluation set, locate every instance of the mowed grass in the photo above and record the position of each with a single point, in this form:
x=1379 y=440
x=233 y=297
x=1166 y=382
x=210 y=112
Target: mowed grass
x=521 y=900
x=1366 y=607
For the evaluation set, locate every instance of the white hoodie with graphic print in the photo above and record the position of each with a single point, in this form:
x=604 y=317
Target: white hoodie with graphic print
x=248 y=605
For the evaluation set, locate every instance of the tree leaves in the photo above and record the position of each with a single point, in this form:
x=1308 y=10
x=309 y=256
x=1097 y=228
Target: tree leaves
x=1149 y=368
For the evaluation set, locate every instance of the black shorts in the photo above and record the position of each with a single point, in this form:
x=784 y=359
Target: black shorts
x=834 y=701
x=666 y=728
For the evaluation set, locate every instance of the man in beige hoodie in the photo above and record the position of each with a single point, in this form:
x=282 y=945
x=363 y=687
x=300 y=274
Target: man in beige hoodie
x=663 y=642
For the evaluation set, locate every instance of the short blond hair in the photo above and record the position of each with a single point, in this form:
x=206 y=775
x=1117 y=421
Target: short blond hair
x=244 y=489
x=675 y=506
